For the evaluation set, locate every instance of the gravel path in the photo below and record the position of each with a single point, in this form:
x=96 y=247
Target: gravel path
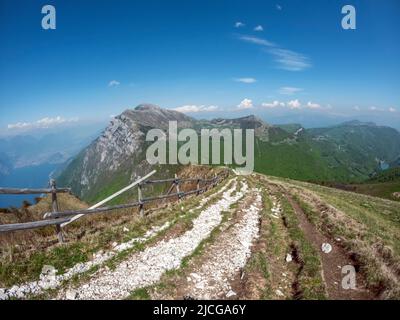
x=50 y=280
x=146 y=267
x=227 y=255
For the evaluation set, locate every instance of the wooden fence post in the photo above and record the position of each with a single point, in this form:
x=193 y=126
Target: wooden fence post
x=198 y=186
x=178 y=190
x=54 y=208
x=140 y=197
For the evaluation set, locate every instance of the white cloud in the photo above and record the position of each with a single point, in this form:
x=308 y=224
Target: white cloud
x=313 y=105
x=239 y=24
x=373 y=108
x=289 y=90
x=294 y=104
x=43 y=123
x=357 y=108
x=290 y=60
x=18 y=125
x=196 y=108
x=114 y=83
x=287 y=59
x=259 y=28
x=278 y=7
x=256 y=40
x=391 y=109
x=246 y=80
x=245 y=104
x=274 y=104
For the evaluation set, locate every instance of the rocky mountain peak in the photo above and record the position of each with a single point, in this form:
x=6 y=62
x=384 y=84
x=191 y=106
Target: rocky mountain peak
x=153 y=116
x=147 y=106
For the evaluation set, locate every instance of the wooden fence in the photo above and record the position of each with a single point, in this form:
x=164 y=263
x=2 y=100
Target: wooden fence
x=61 y=218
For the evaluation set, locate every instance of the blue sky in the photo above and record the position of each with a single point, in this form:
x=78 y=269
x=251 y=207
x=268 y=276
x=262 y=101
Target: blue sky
x=208 y=58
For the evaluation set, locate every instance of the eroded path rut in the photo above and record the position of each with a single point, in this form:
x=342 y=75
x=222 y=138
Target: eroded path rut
x=211 y=275
x=224 y=260
x=332 y=262
x=146 y=267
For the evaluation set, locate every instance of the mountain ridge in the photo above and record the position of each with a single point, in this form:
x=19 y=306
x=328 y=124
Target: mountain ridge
x=346 y=152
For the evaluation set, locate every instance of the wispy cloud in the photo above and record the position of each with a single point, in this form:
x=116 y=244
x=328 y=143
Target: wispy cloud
x=256 y=40
x=245 y=104
x=274 y=104
x=196 y=108
x=239 y=24
x=286 y=59
x=313 y=105
x=245 y=80
x=43 y=123
x=290 y=60
x=259 y=28
x=278 y=7
x=294 y=104
x=373 y=108
x=114 y=83
x=289 y=90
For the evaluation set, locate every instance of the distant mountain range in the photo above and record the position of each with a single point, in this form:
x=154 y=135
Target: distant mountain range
x=5 y=164
x=27 y=160
x=52 y=148
x=352 y=151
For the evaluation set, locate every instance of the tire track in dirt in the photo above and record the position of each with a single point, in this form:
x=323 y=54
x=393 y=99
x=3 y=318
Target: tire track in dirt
x=332 y=262
x=380 y=254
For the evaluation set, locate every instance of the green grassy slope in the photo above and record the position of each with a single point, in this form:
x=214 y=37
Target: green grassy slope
x=369 y=229
x=384 y=184
x=345 y=153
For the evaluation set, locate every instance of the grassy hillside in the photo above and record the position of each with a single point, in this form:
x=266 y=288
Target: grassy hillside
x=385 y=184
x=390 y=175
x=368 y=228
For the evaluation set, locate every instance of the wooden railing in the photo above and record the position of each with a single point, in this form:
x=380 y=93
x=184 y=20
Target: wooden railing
x=61 y=218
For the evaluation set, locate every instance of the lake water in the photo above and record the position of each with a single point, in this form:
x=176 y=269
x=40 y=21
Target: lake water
x=27 y=177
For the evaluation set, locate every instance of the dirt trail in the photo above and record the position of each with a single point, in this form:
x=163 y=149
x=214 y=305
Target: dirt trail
x=267 y=275
x=146 y=267
x=214 y=274
x=332 y=262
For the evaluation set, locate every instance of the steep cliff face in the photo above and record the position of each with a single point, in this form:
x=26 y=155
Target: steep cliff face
x=121 y=140
x=117 y=157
